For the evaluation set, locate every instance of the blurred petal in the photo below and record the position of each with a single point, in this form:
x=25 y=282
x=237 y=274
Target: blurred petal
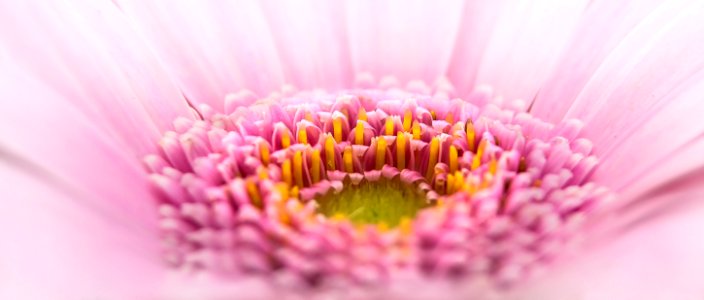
x=211 y=48
x=40 y=128
x=311 y=40
x=407 y=39
x=514 y=49
x=659 y=259
x=55 y=246
x=87 y=54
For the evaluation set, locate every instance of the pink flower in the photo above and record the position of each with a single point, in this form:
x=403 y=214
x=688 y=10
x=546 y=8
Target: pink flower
x=274 y=115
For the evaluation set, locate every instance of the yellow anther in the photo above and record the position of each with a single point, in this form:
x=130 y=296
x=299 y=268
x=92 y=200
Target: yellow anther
x=471 y=187
x=382 y=226
x=469 y=130
x=401 y=151
x=253 y=192
x=459 y=181
x=359 y=133
x=263 y=174
x=347 y=160
x=298 y=168
x=406 y=226
x=477 y=161
x=286 y=172
x=315 y=166
x=283 y=190
x=302 y=136
x=337 y=129
x=416 y=130
x=285 y=139
x=330 y=153
x=362 y=115
x=450 y=118
x=450 y=184
x=389 y=126
x=264 y=153
x=493 y=165
x=453 y=159
x=407 y=120
x=432 y=157
x=294 y=192
x=338 y=216
x=486 y=181
x=308 y=117
x=433 y=115
x=380 y=152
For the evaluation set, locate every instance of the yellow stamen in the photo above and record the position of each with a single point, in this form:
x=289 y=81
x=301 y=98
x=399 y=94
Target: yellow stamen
x=389 y=126
x=339 y=217
x=407 y=120
x=285 y=139
x=362 y=115
x=401 y=151
x=264 y=153
x=315 y=166
x=406 y=226
x=302 y=136
x=433 y=115
x=453 y=159
x=450 y=118
x=469 y=130
x=294 y=192
x=459 y=181
x=432 y=157
x=477 y=161
x=253 y=192
x=298 y=168
x=471 y=188
x=263 y=174
x=380 y=152
x=493 y=165
x=382 y=226
x=359 y=133
x=286 y=171
x=282 y=189
x=450 y=184
x=309 y=117
x=347 y=160
x=330 y=153
x=337 y=129
x=416 y=130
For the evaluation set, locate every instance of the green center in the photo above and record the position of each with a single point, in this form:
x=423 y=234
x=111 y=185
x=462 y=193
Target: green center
x=386 y=201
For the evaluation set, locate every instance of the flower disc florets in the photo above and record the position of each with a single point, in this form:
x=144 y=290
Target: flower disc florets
x=360 y=185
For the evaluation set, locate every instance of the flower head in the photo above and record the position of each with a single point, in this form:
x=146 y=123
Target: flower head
x=363 y=184
x=274 y=158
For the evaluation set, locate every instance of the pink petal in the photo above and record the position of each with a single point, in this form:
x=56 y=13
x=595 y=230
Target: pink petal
x=57 y=246
x=661 y=259
x=101 y=69
x=211 y=49
x=406 y=39
x=311 y=42
x=513 y=47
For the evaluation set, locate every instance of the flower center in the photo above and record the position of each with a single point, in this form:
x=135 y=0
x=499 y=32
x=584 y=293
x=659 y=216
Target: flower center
x=384 y=202
x=358 y=185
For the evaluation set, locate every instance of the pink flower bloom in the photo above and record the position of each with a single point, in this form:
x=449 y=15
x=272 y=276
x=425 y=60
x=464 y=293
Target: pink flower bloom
x=358 y=149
